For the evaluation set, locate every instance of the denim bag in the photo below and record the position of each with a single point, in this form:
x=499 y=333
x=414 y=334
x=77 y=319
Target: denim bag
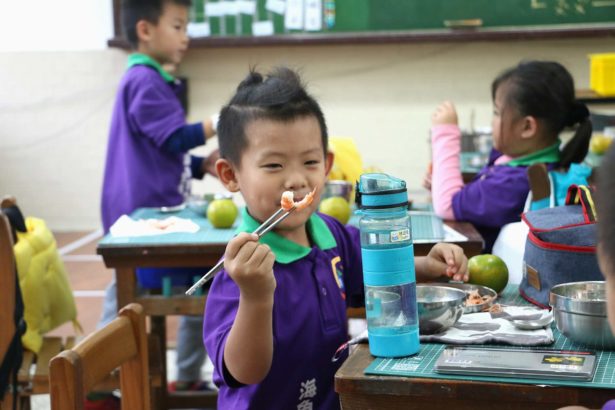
x=560 y=247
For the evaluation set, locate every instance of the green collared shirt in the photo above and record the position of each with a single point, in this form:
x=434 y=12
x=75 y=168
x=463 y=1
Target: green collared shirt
x=287 y=251
x=143 y=59
x=546 y=155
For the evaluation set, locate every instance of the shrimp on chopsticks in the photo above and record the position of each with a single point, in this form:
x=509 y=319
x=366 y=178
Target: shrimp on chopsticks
x=287 y=206
x=287 y=202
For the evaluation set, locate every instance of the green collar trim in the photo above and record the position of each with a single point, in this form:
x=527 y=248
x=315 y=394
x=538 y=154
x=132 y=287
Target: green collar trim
x=287 y=251
x=144 y=59
x=546 y=155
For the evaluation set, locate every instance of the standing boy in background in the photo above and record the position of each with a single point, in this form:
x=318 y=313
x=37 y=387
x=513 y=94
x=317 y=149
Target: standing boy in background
x=276 y=314
x=533 y=102
x=147 y=163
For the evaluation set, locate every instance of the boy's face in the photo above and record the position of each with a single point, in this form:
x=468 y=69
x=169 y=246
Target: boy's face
x=166 y=41
x=280 y=156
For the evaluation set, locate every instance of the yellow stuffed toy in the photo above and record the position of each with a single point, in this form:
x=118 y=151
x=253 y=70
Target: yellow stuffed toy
x=347 y=164
x=48 y=298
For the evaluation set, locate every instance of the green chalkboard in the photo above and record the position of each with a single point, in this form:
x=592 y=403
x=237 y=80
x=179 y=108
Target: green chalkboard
x=348 y=16
x=231 y=22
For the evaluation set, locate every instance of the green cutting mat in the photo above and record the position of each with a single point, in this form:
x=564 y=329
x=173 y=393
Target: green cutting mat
x=421 y=365
x=210 y=235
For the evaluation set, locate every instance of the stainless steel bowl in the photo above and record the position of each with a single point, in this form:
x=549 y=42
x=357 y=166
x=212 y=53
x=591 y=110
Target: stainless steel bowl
x=439 y=307
x=338 y=188
x=579 y=309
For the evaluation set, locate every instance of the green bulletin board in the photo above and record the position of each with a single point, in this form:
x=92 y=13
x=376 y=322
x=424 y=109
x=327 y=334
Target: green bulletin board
x=360 y=16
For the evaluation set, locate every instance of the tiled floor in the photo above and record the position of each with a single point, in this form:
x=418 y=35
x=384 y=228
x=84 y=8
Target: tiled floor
x=88 y=277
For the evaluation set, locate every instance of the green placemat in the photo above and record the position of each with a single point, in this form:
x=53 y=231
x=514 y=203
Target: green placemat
x=421 y=364
x=206 y=233
x=421 y=229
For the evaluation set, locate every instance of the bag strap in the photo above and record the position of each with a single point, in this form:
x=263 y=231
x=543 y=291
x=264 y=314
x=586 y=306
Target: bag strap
x=582 y=194
x=11 y=362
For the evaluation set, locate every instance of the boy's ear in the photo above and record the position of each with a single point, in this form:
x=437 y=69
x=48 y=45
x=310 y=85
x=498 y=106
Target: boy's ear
x=226 y=175
x=329 y=162
x=143 y=30
x=530 y=127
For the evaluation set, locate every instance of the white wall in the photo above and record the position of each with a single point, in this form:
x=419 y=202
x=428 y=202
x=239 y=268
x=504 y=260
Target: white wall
x=57 y=25
x=55 y=106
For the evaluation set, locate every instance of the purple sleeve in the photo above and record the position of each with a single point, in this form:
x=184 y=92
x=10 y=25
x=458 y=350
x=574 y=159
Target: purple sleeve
x=494 y=198
x=609 y=405
x=154 y=109
x=220 y=311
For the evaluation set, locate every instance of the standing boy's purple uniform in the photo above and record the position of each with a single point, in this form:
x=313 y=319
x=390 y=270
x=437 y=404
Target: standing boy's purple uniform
x=147 y=111
x=314 y=288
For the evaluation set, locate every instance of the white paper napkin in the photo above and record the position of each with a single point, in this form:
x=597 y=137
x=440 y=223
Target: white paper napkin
x=126 y=226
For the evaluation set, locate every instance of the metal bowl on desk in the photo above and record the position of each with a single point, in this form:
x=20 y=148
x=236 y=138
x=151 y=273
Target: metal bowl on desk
x=439 y=307
x=579 y=309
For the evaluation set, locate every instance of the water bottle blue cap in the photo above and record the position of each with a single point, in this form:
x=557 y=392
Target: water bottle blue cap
x=379 y=191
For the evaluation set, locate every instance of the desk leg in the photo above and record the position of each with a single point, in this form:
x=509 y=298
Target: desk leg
x=159 y=329
x=126 y=279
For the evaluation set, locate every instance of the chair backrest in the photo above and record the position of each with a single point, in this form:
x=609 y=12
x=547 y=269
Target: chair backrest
x=122 y=343
x=7 y=289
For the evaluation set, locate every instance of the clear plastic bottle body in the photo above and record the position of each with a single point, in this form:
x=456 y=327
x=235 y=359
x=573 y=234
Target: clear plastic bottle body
x=390 y=281
x=385 y=228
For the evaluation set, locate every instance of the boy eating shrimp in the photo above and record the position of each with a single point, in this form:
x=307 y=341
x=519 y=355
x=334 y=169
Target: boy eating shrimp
x=277 y=312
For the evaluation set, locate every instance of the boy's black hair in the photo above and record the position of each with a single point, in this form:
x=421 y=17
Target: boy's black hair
x=545 y=90
x=605 y=204
x=132 y=11
x=278 y=96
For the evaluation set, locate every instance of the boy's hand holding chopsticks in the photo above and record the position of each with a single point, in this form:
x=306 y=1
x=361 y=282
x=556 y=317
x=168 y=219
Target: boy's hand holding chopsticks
x=250 y=265
x=287 y=206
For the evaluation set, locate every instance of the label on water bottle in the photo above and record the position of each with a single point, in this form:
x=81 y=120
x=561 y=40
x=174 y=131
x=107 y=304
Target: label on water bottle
x=401 y=235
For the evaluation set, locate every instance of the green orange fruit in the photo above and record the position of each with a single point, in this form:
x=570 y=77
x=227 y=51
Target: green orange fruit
x=337 y=207
x=488 y=270
x=600 y=143
x=222 y=213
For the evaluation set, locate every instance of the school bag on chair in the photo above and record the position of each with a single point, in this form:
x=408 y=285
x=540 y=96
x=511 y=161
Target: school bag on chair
x=547 y=189
x=560 y=247
x=47 y=295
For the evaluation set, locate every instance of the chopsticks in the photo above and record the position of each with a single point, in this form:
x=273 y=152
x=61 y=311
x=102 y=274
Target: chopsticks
x=265 y=227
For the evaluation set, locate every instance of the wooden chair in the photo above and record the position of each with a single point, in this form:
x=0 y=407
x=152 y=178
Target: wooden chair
x=123 y=343
x=7 y=304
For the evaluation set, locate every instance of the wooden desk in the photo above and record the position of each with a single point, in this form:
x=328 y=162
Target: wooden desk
x=125 y=256
x=161 y=251
x=360 y=391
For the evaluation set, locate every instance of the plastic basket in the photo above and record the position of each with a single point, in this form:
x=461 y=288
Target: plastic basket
x=602 y=73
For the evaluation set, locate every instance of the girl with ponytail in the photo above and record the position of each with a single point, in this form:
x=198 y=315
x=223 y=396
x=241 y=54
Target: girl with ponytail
x=533 y=102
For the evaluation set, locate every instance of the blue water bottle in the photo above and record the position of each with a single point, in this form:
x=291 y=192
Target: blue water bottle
x=388 y=266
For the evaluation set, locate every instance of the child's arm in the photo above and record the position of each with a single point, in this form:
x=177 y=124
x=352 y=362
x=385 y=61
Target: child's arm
x=443 y=260
x=249 y=347
x=204 y=165
x=446 y=179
